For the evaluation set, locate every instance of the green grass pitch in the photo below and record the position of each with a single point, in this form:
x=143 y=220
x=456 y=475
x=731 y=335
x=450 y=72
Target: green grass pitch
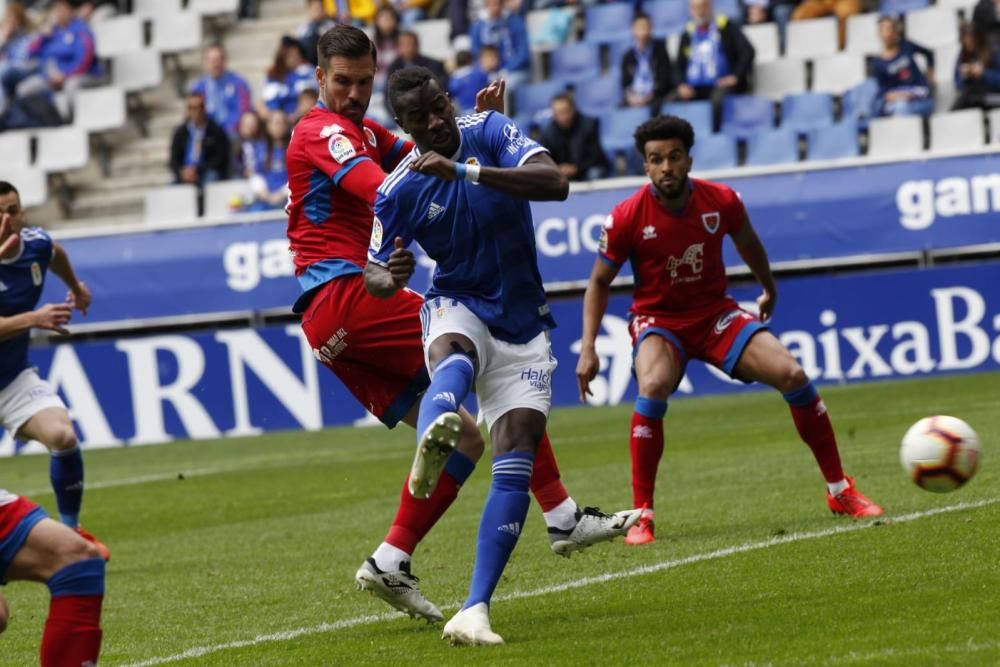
x=242 y=552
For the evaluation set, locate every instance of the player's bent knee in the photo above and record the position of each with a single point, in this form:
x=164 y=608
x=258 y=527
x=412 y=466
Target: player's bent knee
x=793 y=378
x=656 y=385
x=62 y=438
x=471 y=443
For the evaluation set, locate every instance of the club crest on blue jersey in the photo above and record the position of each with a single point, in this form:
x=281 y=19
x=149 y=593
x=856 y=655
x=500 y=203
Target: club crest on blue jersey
x=376 y=242
x=36 y=274
x=711 y=221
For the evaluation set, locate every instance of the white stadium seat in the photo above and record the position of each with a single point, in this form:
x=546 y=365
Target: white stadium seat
x=100 y=109
x=957 y=131
x=62 y=149
x=137 y=71
x=218 y=195
x=435 y=40
x=171 y=203
x=945 y=59
x=965 y=5
x=862 y=34
x=151 y=8
x=836 y=73
x=811 y=38
x=118 y=35
x=15 y=147
x=896 y=137
x=932 y=26
x=213 y=7
x=994 y=118
x=31 y=184
x=764 y=37
x=779 y=78
x=173 y=33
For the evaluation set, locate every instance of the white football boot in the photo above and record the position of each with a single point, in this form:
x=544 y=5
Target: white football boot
x=436 y=445
x=592 y=526
x=471 y=627
x=398 y=588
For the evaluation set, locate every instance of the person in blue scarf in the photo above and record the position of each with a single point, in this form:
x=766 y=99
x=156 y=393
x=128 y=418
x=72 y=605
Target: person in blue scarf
x=646 y=73
x=227 y=95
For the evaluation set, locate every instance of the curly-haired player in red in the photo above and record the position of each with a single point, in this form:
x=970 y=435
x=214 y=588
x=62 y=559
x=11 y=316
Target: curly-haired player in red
x=672 y=231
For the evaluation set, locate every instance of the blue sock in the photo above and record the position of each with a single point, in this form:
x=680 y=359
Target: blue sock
x=451 y=383
x=84 y=577
x=66 y=473
x=503 y=518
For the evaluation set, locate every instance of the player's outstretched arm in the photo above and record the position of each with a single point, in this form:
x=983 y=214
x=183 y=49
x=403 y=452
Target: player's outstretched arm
x=384 y=281
x=53 y=316
x=538 y=179
x=79 y=294
x=595 y=304
x=752 y=251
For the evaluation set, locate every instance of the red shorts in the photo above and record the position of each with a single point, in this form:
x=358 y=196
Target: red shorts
x=17 y=518
x=717 y=334
x=372 y=345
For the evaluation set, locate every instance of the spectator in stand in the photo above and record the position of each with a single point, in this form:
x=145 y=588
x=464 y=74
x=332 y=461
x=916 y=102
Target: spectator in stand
x=249 y=144
x=17 y=34
x=986 y=20
x=199 y=152
x=317 y=22
x=489 y=62
x=408 y=55
x=65 y=50
x=307 y=100
x=977 y=72
x=410 y=11
x=842 y=9
x=903 y=89
x=386 y=43
x=270 y=181
x=574 y=142
x=504 y=30
x=556 y=28
x=763 y=11
x=467 y=80
x=714 y=59
x=227 y=95
x=647 y=77
x=290 y=75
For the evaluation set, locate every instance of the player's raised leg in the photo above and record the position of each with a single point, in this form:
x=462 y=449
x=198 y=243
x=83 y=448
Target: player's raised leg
x=765 y=359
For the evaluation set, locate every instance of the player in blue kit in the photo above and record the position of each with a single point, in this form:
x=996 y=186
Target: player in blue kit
x=29 y=408
x=485 y=318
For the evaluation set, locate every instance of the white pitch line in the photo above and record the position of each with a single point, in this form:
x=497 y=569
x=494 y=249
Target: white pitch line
x=890 y=652
x=570 y=585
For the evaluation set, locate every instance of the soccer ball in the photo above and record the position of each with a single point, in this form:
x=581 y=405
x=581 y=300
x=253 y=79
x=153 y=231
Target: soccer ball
x=940 y=453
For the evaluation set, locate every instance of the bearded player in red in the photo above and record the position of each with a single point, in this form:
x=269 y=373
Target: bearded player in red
x=336 y=161
x=672 y=232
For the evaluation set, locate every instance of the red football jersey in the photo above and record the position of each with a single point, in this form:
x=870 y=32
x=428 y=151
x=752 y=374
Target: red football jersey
x=676 y=257
x=329 y=228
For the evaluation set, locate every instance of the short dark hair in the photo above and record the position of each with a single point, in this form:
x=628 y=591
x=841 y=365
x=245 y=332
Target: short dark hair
x=408 y=33
x=563 y=97
x=641 y=15
x=404 y=80
x=661 y=128
x=345 y=41
x=6 y=187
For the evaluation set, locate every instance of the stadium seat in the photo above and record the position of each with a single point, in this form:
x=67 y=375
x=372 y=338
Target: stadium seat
x=668 y=16
x=575 y=62
x=32 y=184
x=599 y=97
x=534 y=97
x=862 y=34
x=957 y=131
x=435 y=38
x=152 y=8
x=730 y=8
x=994 y=120
x=714 y=151
x=699 y=114
x=15 y=147
x=807 y=111
x=618 y=128
x=62 y=149
x=837 y=73
x=895 y=137
x=606 y=24
x=214 y=7
x=100 y=109
x=779 y=78
x=137 y=71
x=964 y=5
x=932 y=27
x=764 y=37
x=219 y=195
x=770 y=147
x=118 y=35
x=811 y=38
x=743 y=115
x=835 y=142
x=171 y=203
x=901 y=6
x=174 y=33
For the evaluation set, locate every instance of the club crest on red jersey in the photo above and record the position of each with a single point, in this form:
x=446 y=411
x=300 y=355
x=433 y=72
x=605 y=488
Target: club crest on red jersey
x=711 y=221
x=370 y=136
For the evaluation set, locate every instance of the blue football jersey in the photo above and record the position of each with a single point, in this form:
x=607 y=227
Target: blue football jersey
x=21 y=281
x=482 y=240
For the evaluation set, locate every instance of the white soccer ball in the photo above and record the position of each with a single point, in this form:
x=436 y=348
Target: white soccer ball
x=940 y=453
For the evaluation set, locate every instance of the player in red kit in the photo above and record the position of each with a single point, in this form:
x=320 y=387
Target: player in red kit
x=336 y=160
x=672 y=231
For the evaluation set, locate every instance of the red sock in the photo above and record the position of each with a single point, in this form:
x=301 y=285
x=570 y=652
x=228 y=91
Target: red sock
x=545 y=483
x=646 y=447
x=816 y=431
x=72 y=636
x=416 y=516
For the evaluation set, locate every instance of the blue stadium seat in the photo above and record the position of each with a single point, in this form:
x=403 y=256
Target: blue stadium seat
x=668 y=17
x=616 y=50
x=617 y=130
x=834 y=142
x=743 y=115
x=699 y=114
x=806 y=111
x=901 y=6
x=772 y=147
x=609 y=23
x=714 y=151
x=575 y=62
x=730 y=8
x=599 y=97
x=533 y=97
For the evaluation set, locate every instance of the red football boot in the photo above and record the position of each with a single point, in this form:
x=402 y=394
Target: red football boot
x=852 y=502
x=642 y=532
x=101 y=548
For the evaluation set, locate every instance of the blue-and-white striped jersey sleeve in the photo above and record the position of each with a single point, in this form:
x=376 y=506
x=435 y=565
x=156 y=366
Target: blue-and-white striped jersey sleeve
x=511 y=147
x=394 y=217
